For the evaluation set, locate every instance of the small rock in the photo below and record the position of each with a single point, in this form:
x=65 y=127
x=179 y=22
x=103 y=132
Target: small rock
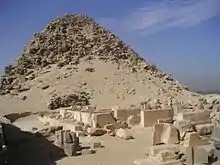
x=96 y=145
x=123 y=134
x=96 y=131
x=23 y=98
x=45 y=86
x=88 y=151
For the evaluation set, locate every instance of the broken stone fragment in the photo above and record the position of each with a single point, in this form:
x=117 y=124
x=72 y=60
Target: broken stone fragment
x=123 y=134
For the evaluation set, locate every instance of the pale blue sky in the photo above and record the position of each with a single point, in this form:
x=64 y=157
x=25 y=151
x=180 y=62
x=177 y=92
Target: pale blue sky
x=182 y=37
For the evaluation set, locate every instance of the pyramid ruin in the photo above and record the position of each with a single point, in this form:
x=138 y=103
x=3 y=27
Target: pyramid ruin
x=75 y=61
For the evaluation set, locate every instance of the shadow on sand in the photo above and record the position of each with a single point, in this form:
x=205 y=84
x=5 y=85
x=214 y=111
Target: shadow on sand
x=24 y=148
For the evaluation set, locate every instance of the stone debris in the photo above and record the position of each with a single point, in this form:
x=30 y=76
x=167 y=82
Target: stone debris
x=123 y=134
x=78 y=99
x=96 y=131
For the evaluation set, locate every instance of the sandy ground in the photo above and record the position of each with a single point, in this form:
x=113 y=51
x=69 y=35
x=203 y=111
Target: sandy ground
x=115 y=152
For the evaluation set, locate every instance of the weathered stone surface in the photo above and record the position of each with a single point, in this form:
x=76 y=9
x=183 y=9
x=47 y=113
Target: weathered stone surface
x=102 y=119
x=216 y=134
x=167 y=155
x=123 y=114
x=177 y=108
x=87 y=151
x=196 y=116
x=184 y=126
x=4 y=120
x=200 y=155
x=205 y=129
x=193 y=139
x=123 y=134
x=134 y=120
x=155 y=150
x=70 y=149
x=96 y=131
x=165 y=133
x=150 y=117
x=189 y=155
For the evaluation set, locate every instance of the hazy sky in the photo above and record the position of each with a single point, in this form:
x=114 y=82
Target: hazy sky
x=182 y=37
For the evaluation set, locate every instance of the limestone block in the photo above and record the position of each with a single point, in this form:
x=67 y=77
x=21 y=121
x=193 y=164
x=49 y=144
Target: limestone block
x=134 y=120
x=177 y=108
x=205 y=129
x=165 y=134
x=102 y=119
x=123 y=134
x=167 y=155
x=150 y=117
x=123 y=114
x=216 y=134
x=184 y=126
x=155 y=150
x=196 y=116
x=193 y=139
x=200 y=155
x=189 y=155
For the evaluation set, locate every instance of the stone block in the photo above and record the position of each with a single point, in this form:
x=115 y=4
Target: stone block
x=155 y=150
x=196 y=116
x=167 y=155
x=70 y=149
x=205 y=129
x=150 y=117
x=184 y=126
x=134 y=120
x=177 y=108
x=189 y=155
x=102 y=119
x=123 y=114
x=194 y=139
x=200 y=155
x=165 y=134
x=216 y=134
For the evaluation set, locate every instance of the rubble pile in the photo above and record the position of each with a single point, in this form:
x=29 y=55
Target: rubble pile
x=74 y=47
x=78 y=99
x=192 y=137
